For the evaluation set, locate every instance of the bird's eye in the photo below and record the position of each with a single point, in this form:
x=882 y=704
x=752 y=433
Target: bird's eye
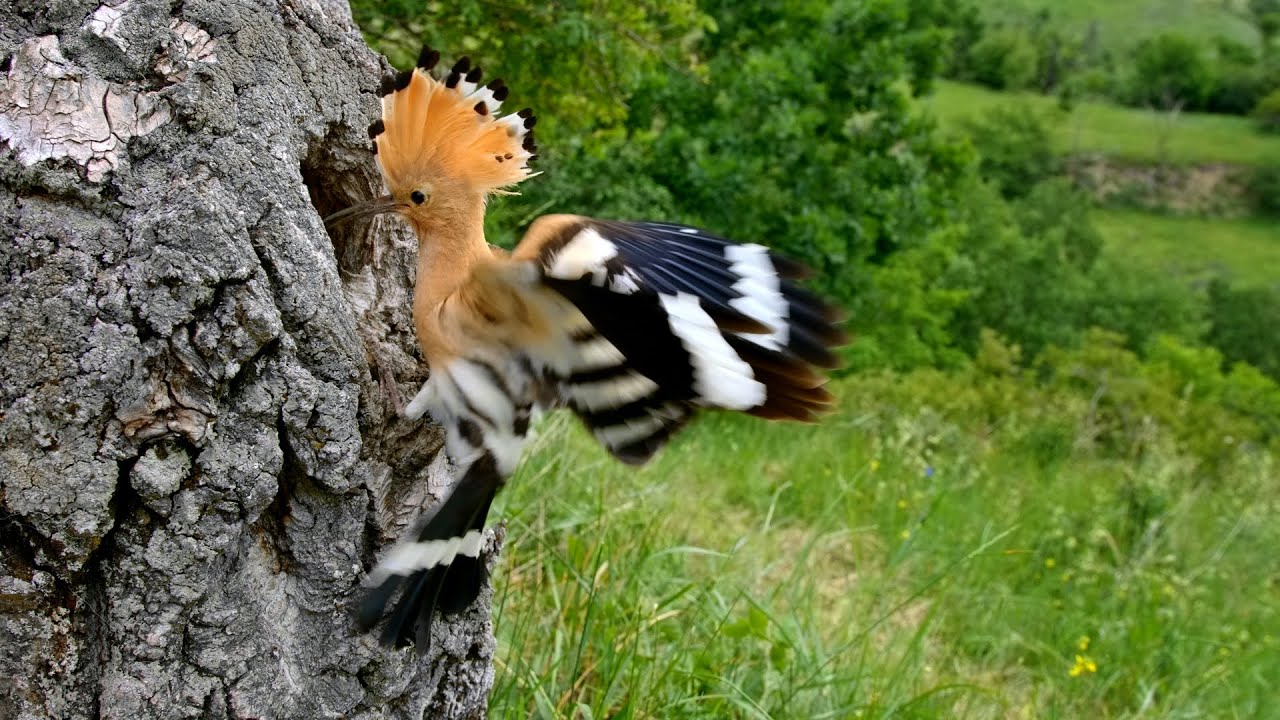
x=417 y=197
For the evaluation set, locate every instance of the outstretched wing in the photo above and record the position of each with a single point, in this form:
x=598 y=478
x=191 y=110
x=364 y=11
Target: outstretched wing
x=676 y=319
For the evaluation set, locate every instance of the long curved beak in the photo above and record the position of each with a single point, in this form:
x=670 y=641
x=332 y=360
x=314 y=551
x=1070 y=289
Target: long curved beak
x=369 y=208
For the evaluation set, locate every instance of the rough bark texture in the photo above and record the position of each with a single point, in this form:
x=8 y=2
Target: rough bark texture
x=198 y=454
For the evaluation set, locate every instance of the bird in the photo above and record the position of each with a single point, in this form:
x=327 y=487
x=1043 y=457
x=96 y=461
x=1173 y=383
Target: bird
x=634 y=327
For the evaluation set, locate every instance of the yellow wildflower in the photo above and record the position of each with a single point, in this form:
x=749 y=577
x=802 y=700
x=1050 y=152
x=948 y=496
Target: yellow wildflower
x=1084 y=664
x=1050 y=563
x=902 y=504
x=1083 y=643
x=875 y=465
x=905 y=534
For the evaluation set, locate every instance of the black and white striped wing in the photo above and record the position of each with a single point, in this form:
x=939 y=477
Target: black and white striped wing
x=681 y=319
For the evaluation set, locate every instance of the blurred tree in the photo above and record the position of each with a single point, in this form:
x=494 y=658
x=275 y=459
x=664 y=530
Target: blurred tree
x=1243 y=324
x=1014 y=147
x=1265 y=15
x=1005 y=59
x=1267 y=112
x=1170 y=71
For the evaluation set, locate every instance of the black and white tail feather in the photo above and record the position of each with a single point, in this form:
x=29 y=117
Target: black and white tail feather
x=655 y=321
x=481 y=403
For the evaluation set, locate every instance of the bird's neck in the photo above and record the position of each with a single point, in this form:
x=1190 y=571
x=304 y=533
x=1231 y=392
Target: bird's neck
x=447 y=253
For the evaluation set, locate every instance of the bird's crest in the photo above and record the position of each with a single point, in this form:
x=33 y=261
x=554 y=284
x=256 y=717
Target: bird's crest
x=450 y=127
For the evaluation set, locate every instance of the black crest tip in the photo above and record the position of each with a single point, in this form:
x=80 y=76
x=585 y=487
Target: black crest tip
x=525 y=113
x=388 y=86
x=501 y=93
x=402 y=79
x=497 y=83
x=452 y=80
x=462 y=66
x=375 y=129
x=428 y=58
x=475 y=75
x=481 y=108
x=530 y=121
x=374 y=147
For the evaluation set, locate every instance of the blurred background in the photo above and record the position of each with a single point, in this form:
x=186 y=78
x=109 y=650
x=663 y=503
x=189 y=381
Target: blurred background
x=1051 y=489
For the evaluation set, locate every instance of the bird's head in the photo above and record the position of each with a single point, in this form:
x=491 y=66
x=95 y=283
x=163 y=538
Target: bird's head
x=442 y=147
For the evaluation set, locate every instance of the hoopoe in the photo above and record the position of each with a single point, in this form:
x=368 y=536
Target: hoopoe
x=633 y=326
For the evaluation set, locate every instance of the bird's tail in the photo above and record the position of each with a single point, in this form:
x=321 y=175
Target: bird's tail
x=438 y=563
x=452 y=125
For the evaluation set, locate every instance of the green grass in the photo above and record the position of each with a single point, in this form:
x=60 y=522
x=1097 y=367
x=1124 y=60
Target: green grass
x=1138 y=136
x=1122 y=23
x=1246 y=251
x=906 y=558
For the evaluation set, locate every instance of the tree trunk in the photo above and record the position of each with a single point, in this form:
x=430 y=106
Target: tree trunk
x=198 y=453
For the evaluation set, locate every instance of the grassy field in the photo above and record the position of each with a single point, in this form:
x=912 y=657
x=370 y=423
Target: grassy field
x=1121 y=23
x=1246 y=251
x=1139 y=136
x=905 y=558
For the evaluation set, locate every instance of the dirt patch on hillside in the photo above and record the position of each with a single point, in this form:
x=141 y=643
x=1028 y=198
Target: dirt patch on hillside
x=1217 y=190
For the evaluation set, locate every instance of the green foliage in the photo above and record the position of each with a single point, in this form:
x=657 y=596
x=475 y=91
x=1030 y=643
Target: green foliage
x=1170 y=71
x=1237 y=89
x=1179 y=389
x=1015 y=149
x=1267 y=112
x=575 y=62
x=1003 y=59
x=1244 y=323
x=1032 y=272
x=904 y=315
x=808 y=141
x=1263 y=189
x=1185 y=55
x=1139 y=303
x=1265 y=15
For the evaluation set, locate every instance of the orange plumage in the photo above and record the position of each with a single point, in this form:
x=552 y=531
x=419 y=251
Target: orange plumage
x=433 y=131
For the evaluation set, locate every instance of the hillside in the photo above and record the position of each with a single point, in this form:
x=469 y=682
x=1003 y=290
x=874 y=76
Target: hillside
x=1246 y=251
x=1132 y=135
x=1121 y=23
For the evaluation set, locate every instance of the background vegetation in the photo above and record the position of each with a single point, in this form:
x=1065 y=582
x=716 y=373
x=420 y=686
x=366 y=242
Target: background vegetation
x=1050 y=490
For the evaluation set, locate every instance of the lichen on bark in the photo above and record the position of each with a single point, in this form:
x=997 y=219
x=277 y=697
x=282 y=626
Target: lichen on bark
x=198 y=458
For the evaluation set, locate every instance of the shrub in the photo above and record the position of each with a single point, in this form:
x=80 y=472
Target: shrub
x=1004 y=59
x=1026 y=269
x=1141 y=304
x=1262 y=186
x=1170 y=71
x=1267 y=112
x=1237 y=90
x=1014 y=148
x=1243 y=324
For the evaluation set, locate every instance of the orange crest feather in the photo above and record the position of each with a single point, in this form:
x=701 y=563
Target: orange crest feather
x=451 y=128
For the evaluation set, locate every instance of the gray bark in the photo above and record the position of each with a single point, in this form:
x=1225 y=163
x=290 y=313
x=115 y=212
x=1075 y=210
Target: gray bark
x=198 y=454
